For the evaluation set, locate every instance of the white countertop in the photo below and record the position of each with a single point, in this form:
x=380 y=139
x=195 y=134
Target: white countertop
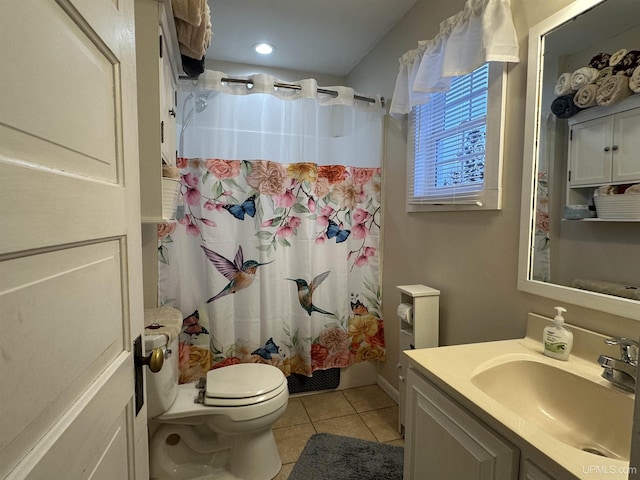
x=453 y=367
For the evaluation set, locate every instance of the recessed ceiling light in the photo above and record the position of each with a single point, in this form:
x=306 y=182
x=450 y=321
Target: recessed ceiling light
x=263 y=48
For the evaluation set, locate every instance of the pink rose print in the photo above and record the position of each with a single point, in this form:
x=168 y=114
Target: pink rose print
x=223 y=168
x=361 y=176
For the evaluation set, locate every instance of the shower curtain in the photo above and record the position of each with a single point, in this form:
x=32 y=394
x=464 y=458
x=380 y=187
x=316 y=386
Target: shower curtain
x=276 y=259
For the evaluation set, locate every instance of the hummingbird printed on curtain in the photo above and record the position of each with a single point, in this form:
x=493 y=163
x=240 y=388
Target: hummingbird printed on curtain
x=240 y=273
x=305 y=293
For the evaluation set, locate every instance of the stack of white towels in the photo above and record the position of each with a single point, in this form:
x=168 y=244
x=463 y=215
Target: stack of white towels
x=193 y=26
x=608 y=79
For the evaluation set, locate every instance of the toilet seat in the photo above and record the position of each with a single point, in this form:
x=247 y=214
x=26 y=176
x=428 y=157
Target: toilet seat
x=243 y=384
x=269 y=392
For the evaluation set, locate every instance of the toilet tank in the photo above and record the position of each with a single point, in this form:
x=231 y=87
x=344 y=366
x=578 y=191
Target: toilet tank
x=162 y=386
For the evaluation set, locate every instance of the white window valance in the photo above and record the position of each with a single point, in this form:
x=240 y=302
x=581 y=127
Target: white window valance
x=482 y=32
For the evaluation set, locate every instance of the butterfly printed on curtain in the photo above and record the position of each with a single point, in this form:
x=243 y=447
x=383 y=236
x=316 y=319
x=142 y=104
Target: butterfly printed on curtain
x=333 y=230
x=191 y=325
x=247 y=207
x=359 y=308
x=269 y=348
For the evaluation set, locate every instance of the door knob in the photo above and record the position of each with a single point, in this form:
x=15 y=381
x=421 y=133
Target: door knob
x=154 y=360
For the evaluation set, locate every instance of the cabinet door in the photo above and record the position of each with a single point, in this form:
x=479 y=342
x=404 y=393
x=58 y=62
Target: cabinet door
x=530 y=471
x=167 y=104
x=626 y=145
x=444 y=442
x=590 y=152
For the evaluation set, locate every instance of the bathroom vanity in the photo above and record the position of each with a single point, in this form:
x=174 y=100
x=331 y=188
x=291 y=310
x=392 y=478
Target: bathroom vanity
x=503 y=410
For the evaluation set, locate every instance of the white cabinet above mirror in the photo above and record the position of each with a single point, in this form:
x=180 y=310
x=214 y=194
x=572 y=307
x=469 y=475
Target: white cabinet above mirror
x=568 y=158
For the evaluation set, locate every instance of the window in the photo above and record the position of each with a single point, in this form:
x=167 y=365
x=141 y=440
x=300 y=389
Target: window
x=456 y=145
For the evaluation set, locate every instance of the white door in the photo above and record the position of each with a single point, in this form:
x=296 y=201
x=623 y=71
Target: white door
x=70 y=271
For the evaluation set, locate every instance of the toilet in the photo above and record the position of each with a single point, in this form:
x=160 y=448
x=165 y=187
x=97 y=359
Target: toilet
x=226 y=436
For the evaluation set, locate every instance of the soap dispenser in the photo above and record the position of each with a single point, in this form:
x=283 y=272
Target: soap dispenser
x=557 y=339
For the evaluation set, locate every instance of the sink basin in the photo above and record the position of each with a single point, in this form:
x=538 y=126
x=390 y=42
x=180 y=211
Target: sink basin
x=576 y=410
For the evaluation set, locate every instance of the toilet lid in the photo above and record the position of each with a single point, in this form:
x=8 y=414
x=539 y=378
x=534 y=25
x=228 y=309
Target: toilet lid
x=243 y=381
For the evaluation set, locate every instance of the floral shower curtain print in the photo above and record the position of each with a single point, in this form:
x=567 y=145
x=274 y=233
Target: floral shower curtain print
x=274 y=263
x=541 y=266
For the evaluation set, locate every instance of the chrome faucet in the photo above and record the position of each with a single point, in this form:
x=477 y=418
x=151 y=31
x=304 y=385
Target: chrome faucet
x=621 y=372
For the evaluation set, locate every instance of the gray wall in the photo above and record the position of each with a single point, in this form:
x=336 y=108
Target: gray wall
x=471 y=257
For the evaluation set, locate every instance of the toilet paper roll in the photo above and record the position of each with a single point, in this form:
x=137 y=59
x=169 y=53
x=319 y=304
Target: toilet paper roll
x=405 y=312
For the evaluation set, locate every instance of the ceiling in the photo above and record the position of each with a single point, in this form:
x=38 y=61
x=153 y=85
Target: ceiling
x=323 y=36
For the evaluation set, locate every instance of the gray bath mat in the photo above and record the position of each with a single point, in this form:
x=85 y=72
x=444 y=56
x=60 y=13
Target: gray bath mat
x=331 y=457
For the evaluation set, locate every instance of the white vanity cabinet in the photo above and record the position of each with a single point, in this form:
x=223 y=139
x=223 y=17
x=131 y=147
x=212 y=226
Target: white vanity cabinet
x=531 y=471
x=444 y=442
x=158 y=66
x=603 y=148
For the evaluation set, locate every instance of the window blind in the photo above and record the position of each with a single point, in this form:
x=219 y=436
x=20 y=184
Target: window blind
x=449 y=140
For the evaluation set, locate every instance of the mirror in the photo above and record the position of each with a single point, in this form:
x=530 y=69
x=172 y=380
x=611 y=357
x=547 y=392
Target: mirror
x=564 y=253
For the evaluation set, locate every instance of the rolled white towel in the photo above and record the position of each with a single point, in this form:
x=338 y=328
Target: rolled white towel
x=633 y=189
x=605 y=190
x=634 y=81
x=586 y=96
x=603 y=75
x=563 y=85
x=613 y=89
x=583 y=76
x=617 y=57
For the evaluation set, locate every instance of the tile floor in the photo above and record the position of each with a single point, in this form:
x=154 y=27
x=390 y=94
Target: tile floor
x=363 y=412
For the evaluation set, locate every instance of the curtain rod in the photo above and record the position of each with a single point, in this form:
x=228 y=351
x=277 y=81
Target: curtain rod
x=333 y=93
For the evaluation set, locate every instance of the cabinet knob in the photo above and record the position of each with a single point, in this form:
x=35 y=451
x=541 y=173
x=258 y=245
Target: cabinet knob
x=606 y=149
x=614 y=148
x=172 y=112
x=401 y=378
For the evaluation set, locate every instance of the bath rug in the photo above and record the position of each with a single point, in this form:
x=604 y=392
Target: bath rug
x=327 y=456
